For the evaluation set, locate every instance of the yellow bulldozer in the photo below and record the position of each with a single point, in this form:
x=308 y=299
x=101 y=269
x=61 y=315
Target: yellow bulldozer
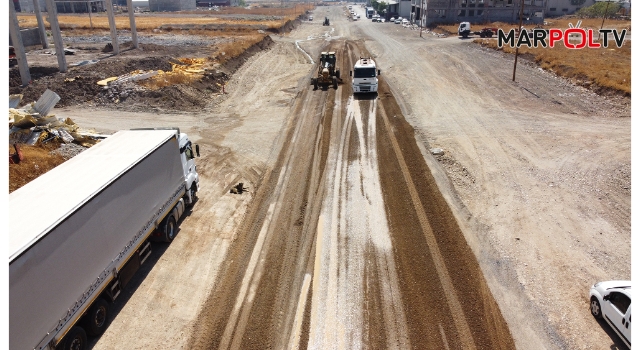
x=327 y=72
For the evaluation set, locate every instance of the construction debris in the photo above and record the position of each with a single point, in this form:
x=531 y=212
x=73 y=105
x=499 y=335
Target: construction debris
x=238 y=189
x=32 y=124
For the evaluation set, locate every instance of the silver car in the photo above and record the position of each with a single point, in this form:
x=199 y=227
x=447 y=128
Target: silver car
x=611 y=301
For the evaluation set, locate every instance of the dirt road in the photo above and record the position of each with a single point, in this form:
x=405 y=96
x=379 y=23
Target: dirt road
x=354 y=236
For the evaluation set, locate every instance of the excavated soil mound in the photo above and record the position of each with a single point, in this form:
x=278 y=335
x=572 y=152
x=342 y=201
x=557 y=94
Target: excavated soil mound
x=79 y=84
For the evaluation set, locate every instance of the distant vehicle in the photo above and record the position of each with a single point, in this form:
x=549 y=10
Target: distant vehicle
x=365 y=76
x=611 y=301
x=350 y=7
x=311 y=18
x=405 y=22
x=326 y=21
x=358 y=16
x=464 y=30
x=355 y=17
x=392 y=19
x=381 y=20
x=398 y=20
x=375 y=19
x=370 y=12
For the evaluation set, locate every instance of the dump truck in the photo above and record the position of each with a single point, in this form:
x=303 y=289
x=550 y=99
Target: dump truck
x=78 y=233
x=364 y=76
x=327 y=72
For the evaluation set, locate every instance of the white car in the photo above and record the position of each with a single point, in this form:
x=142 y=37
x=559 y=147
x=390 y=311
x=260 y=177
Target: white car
x=398 y=20
x=611 y=301
x=381 y=20
x=405 y=22
x=392 y=19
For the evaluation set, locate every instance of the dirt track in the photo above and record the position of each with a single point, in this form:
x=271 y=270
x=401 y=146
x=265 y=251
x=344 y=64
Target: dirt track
x=353 y=236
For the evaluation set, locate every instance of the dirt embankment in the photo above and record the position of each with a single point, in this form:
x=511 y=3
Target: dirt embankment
x=79 y=84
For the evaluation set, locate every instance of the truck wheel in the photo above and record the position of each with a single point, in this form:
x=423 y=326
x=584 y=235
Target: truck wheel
x=482 y=35
x=76 y=339
x=315 y=84
x=169 y=229
x=489 y=35
x=335 y=83
x=338 y=73
x=96 y=318
x=192 y=193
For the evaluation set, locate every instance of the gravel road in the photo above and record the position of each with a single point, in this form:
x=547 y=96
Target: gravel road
x=353 y=235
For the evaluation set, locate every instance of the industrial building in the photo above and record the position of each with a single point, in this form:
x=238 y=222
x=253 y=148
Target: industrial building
x=171 y=5
x=476 y=11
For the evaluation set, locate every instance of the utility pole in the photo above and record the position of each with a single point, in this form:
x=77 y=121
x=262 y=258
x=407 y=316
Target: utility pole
x=422 y=15
x=604 y=15
x=515 y=63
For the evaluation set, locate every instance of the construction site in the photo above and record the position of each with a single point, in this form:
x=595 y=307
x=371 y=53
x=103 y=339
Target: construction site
x=362 y=185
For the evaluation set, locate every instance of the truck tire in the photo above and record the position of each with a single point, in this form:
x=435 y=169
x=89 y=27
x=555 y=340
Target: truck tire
x=76 y=339
x=95 y=320
x=193 y=194
x=482 y=35
x=169 y=229
x=338 y=73
x=335 y=83
x=315 y=83
x=490 y=34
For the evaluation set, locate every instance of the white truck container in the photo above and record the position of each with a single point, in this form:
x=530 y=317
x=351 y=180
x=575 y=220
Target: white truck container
x=365 y=76
x=78 y=233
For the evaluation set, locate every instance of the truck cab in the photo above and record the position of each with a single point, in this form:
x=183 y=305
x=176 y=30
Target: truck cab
x=365 y=76
x=188 y=156
x=464 y=29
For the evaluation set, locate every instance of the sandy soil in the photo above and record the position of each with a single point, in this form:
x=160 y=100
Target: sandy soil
x=354 y=236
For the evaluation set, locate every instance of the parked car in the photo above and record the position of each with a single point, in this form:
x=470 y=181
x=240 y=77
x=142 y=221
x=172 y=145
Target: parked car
x=311 y=18
x=611 y=301
x=392 y=19
x=398 y=20
x=358 y=16
x=405 y=22
x=381 y=20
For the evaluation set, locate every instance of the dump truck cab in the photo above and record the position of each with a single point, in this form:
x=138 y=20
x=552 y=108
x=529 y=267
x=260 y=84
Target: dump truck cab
x=365 y=76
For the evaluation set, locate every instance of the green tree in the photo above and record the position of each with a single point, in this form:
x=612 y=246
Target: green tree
x=380 y=6
x=242 y=3
x=598 y=9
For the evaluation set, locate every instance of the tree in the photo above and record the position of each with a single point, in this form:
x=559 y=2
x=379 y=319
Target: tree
x=379 y=6
x=598 y=9
x=242 y=3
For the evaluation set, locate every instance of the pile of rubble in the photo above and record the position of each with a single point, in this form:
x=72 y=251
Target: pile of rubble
x=32 y=125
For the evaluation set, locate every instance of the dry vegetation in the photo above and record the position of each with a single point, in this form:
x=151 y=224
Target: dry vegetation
x=37 y=161
x=604 y=69
x=149 y=22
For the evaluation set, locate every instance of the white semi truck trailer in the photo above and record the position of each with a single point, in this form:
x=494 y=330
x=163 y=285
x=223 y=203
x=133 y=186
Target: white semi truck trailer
x=78 y=233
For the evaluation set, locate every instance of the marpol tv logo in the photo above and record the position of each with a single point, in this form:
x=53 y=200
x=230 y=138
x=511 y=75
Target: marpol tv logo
x=571 y=38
